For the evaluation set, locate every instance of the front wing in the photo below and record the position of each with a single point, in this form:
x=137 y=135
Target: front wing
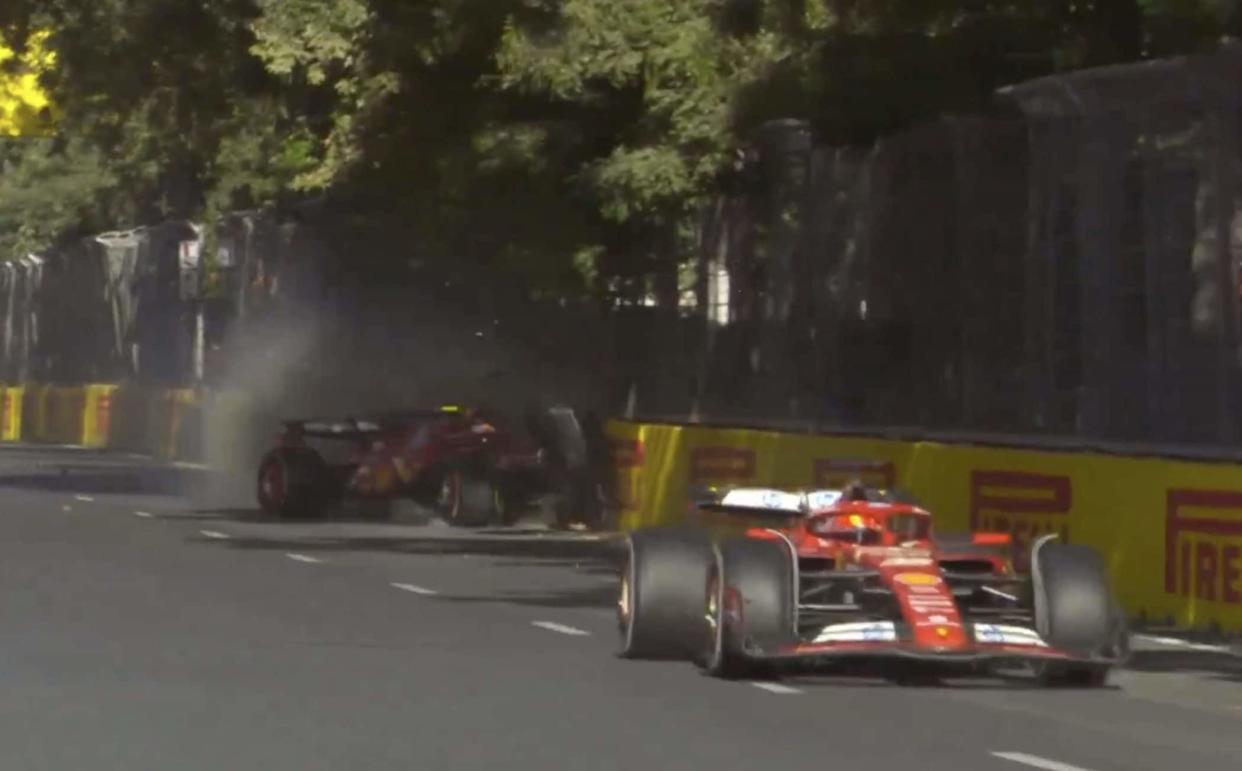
x=879 y=642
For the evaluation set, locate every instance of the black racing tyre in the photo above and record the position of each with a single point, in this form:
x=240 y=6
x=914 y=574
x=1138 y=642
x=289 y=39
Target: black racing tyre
x=1075 y=611
x=470 y=498
x=375 y=509
x=660 y=593
x=761 y=574
x=292 y=482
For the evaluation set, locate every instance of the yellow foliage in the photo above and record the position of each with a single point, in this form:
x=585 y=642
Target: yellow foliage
x=25 y=109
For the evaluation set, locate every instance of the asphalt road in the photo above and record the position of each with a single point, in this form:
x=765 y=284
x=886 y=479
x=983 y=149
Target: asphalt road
x=147 y=630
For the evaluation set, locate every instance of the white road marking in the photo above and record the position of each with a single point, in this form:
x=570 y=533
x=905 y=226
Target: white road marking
x=214 y=534
x=415 y=589
x=552 y=626
x=1034 y=761
x=1190 y=646
x=784 y=690
x=302 y=558
x=66 y=507
x=143 y=514
x=85 y=498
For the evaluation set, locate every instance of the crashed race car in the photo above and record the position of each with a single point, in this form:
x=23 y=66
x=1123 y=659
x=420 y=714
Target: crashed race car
x=469 y=464
x=838 y=579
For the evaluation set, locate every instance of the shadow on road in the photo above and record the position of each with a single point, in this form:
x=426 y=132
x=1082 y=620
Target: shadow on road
x=121 y=480
x=597 y=559
x=549 y=549
x=585 y=597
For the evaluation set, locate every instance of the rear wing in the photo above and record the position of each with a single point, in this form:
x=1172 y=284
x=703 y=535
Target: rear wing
x=345 y=429
x=763 y=503
x=368 y=426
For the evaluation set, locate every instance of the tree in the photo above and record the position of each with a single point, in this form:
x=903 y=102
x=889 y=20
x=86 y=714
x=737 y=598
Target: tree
x=568 y=142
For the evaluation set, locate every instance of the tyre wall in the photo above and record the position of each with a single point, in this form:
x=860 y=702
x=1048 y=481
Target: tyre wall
x=1171 y=531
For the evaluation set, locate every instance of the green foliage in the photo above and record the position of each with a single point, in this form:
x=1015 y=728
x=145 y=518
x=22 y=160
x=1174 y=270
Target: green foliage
x=674 y=60
x=568 y=144
x=50 y=193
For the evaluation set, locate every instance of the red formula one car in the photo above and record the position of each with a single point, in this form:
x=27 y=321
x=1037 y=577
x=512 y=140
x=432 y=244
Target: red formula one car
x=851 y=577
x=470 y=464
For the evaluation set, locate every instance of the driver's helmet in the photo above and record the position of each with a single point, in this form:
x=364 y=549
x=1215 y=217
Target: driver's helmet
x=857 y=528
x=854 y=490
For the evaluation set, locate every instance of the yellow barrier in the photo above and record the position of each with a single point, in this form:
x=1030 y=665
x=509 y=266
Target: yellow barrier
x=34 y=413
x=165 y=423
x=1171 y=531
x=11 y=413
x=177 y=424
x=97 y=415
x=64 y=412
x=130 y=419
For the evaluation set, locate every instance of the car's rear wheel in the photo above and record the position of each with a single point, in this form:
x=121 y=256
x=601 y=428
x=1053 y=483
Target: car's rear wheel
x=470 y=498
x=660 y=594
x=750 y=602
x=291 y=482
x=1075 y=612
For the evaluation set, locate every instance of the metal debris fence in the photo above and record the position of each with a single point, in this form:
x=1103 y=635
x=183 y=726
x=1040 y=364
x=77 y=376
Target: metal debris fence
x=1066 y=265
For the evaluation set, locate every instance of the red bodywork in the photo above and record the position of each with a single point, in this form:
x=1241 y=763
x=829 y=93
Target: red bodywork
x=398 y=454
x=928 y=579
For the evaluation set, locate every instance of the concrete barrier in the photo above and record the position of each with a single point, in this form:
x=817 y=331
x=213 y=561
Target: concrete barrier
x=165 y=423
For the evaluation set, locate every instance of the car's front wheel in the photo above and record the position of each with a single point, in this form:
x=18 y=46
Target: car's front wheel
x=750 y=599
x=660 y=593
x=1075 y=612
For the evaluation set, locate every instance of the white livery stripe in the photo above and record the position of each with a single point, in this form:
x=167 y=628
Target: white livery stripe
x=877 y=631
x=1008 y=635
x=1034 y=761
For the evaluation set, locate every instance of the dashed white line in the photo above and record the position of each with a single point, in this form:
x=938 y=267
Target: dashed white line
x=552 y=626
x=784 y=690
x=415 y=589
x=143 y=514
x=302 y=558
x=215 y=535
x=85 y=498
x=1034 y=761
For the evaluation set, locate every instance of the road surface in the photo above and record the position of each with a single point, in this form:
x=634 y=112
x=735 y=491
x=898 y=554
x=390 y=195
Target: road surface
x=146 y=630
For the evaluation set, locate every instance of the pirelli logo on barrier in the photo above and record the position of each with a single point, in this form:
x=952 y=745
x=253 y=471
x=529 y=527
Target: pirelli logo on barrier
x=626 y=453
x=627 y=461
x=722 y=464
x=835 y=473
x=1021 y=503
x=1203 y=545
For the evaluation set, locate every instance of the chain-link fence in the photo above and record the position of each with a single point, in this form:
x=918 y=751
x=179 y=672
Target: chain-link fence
x=1066 y=265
